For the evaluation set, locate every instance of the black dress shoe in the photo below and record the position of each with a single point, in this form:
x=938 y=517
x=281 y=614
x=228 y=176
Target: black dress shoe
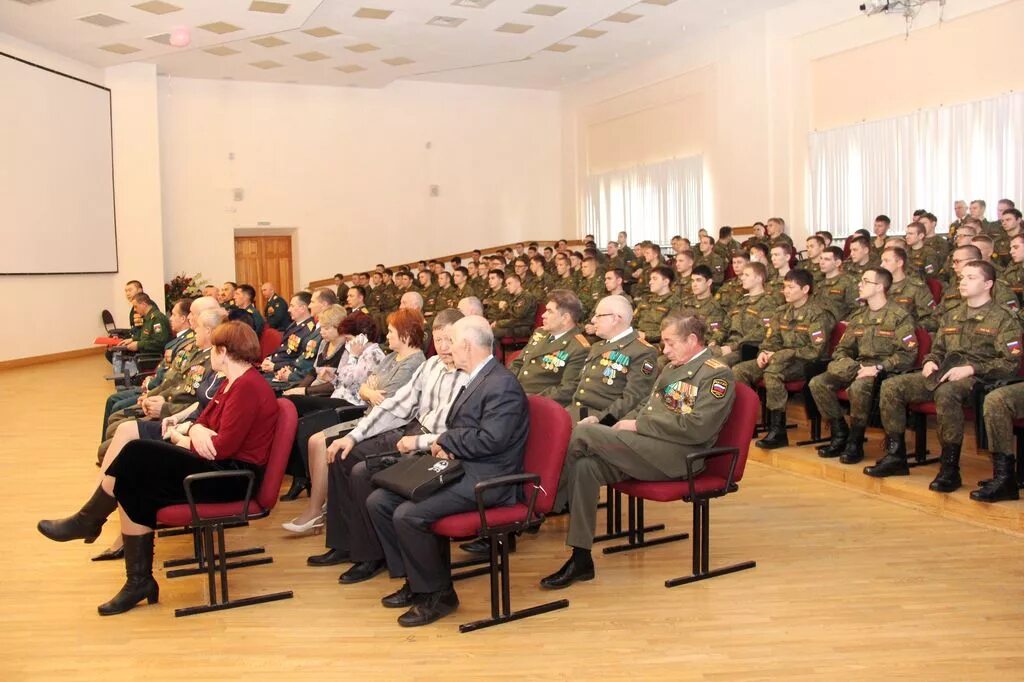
x=402 y=599
x=478 y=546
x=569 y=573
x=331 y=557
x=430 y=607
x=364 y=570
x=298 y=485
x=110 y=554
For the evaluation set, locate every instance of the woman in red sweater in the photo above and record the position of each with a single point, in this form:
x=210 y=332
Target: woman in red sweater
x=234 y=432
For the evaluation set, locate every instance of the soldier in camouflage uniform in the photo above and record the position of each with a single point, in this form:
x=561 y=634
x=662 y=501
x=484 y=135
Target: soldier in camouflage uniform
x=965 y=235
x=684 y=413
x=776 y=233
x=727 y=247
x=925 y=261
x=1001 y=292
x=861 y=258
x=518 y=314
x=938 y=242
x=495 y=300
x=1011 y=224
x=815 y=247
x=682 y=285
x=880 y=239
x=591 y=287
x=780 y=255
x=759 y=237
x=1002 y=407
x=708 y=309
x=706 y=255
x=749 y=318
x=729 y=294
x=1013 y=275
x=977 y=340
x=879 y=337
x=908 y=292
x=652 y=308
x=837 y=290
x=551 y=362
x=797 y=336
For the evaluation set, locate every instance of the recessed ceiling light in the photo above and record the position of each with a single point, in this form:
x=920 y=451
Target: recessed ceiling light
x=321 y=32
x=266 y=64
x=589 y=33
x=447 y=22
x=119 y=48
x=269 y=41
x=362 y=47
x=398 y=61
x=220 y=27
x=162 y=38
x=313 y=56
x=221 y=51
x=102 y=20
x=157 y=7
x=475 y=4
x=269 y=7
x=371 y=13
x=545 y=10
x=560 y=47
x=350 y=68
x=663 y=3
x=513 y=28
x=623 y=17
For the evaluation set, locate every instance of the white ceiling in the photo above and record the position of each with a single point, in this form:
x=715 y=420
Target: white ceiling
x=369 y=43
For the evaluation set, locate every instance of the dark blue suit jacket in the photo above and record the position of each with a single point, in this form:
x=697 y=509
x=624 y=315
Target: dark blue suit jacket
x=487 y=428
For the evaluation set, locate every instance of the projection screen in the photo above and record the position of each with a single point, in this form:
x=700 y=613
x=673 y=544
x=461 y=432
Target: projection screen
x=56 y=173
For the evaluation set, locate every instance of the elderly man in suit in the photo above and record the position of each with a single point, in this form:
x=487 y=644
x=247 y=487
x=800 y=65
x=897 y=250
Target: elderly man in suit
x=688 y=406
x=486 y=432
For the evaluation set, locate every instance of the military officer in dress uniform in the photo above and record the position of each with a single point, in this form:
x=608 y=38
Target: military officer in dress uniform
x=749 y=317
x=245 y=295
x=519 y=313
x=909 y=292
x=797 y=335
x=684 y=413
x=550 y=364
x=653 y=308
x=879 y=337
x=294 y=352
x=156 y=328
x=276 y=309
x=978 y=339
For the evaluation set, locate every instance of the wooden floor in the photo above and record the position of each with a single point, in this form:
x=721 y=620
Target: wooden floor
x=849 y=585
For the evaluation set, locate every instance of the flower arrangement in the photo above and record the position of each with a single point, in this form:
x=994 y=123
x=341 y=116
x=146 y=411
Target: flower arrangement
x=183 y=286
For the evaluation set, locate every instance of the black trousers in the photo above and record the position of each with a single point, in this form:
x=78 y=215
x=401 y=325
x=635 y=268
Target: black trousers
x=348 y=486
x=316 y=413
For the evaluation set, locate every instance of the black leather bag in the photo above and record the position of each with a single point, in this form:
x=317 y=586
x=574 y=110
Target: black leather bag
x=417 y=477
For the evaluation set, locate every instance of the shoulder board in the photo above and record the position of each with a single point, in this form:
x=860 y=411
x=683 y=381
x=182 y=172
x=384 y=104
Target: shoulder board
x=715 y=364
x=583 y=340
x=645 y=342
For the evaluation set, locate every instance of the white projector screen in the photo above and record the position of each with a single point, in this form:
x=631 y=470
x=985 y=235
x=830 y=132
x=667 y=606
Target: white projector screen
x=56 y=173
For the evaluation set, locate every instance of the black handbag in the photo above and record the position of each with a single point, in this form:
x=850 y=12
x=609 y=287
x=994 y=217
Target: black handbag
x=417 y=477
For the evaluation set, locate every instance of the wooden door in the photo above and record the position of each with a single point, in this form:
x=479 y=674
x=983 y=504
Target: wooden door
x=265 y=259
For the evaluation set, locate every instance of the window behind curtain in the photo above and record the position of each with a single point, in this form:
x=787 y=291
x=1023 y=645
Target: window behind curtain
x=927 y=160
x=653 y=201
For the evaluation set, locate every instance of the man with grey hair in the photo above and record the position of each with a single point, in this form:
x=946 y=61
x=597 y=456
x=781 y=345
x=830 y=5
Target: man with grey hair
x=471 y=305
x=411 y=300
x=486 y=432
x=684 y=413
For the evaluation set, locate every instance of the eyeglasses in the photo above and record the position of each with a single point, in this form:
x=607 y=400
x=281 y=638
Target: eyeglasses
x=604 y=315
x=867 y=281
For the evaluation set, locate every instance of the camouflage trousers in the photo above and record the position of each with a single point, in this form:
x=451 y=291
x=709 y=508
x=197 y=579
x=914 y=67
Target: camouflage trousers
x=842 y=374
x=950 y=398
x=1002 y=406
x=775 y=376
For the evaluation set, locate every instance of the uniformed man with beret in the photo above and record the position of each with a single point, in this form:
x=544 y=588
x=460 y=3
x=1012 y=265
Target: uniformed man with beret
x=797 y=335
x=276 y=309
x=977 y=340
x=687 y=408
x=518 y=314
x=879 y=337
x=551 y=362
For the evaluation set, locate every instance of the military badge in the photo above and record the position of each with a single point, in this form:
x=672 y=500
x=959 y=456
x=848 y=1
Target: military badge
x=910 y=341
x=647 y=369
x=718 y=388
x=1014 y=347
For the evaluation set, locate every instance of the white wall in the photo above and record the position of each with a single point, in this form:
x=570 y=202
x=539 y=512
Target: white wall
x=58 y=313
x=350 y=170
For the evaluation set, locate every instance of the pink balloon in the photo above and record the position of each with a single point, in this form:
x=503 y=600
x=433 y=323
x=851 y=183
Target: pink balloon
x=180 y=37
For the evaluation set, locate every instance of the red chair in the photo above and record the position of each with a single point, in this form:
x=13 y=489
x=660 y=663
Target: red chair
x=934 y=286
x=725 y=464
x=546 y=444
x=205 y=519
x=270 y=340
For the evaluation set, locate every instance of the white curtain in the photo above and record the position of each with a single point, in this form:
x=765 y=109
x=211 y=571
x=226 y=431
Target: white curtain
x=654 y=201
x=925 y=160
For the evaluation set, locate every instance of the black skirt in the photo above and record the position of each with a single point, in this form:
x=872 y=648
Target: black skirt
x=307 y=404
x=150 y=475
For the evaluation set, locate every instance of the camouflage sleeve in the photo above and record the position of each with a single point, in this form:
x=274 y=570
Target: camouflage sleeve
x=819 y=331
x=772 y=338
x=926 y=310
x=1008 y=352
x=906 y=346
x=638 y=387
x=848 y=345
x=938 y=350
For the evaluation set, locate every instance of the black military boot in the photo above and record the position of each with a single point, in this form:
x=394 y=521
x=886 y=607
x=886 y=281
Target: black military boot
x=1003 y=485
x=138 y=564
x=85 y=524
x=840 y=434
x=894 y=463
x=776 y=436
x=854 y=450
x=948 y=479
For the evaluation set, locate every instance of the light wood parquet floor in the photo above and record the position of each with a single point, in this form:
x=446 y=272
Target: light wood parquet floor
x=848 y=586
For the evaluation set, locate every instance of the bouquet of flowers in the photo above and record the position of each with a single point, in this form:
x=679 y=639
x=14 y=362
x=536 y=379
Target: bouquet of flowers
x=183 y=286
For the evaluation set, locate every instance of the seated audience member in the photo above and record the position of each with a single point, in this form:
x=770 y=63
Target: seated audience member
x=613 y=281
x=471 y=305
x=551 y=362
x=815 y=247
x=726 y=246
x=748 y=320
x=517 y=316
x=276 y=309
x=732 y=291
x=1014 y=272
x=226 y=295
x=775 y=230
x=797 y=335
x=245 y=299
x=681 y=284
x=234 y=432
x=495 y=299
x=652 y=308
x=952 y=297
x=779 y=255
x=298 y=348
x=910 y=293
x=708 y=257
x=879 y=337
x=408 y=421
x=1002 y=407
x=758 y=237
x=881 y=229
x=212 y=291
x=690 y=403
x=979 y=339
x=342 y=288
x=620 y=367
x=836 y=290
x=826 y=235
x=706 y=307
x=1012 y=227
x=925 y=260
x=591 y=285
x=405 y=338
x=487 y=429
x=155 y=329
x=131 y=289
x=411 y=300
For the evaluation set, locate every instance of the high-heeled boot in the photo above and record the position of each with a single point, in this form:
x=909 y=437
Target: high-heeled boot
x=138 y=564
x=86 y=524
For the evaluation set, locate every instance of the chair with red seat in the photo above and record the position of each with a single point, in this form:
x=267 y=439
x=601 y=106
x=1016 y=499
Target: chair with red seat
x=270 y=339
x=725 y=464
x=207 y=519
x=546 y=445
x=934 y=286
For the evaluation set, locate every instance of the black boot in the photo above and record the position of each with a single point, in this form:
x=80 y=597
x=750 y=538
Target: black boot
x=1003 y=485
x=84 y=525
x=854 y=450
x=840 y=435
x=776 y=436
x=948 y=478
x=894 y=463
x=299 y=483
x=138 y=564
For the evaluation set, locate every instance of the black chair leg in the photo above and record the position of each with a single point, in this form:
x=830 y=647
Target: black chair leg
x=613 y=518
x=702 y=549
x=636 y=533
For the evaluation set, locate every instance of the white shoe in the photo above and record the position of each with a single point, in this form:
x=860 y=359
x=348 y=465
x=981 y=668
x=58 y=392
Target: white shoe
x=315 y=524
